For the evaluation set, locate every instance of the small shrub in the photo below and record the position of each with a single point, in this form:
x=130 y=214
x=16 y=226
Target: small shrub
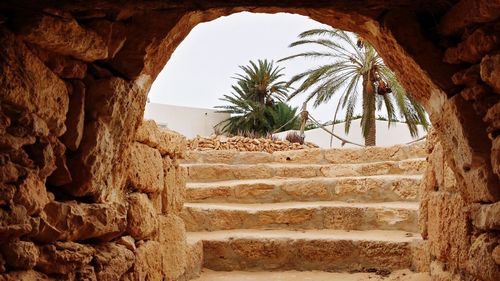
x=294 y=137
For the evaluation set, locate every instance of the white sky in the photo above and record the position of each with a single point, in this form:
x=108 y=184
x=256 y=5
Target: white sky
x=200 y=70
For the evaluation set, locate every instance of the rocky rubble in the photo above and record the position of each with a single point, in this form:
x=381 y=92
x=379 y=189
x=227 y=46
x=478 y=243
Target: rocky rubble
x=240 y=143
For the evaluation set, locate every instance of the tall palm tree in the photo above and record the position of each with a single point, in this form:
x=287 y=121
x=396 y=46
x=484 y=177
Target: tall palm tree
x=257 y=94
x=354 y=66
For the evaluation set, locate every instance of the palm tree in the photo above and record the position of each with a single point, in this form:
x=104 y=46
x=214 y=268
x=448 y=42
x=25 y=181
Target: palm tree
x=354 y=66
x=255 y=96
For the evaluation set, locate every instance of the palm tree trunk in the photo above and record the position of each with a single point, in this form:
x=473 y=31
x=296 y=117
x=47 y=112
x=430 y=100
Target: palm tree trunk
x=369 y=110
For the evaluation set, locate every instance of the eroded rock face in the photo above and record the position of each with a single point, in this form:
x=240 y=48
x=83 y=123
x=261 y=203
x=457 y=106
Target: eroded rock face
x=73 y=83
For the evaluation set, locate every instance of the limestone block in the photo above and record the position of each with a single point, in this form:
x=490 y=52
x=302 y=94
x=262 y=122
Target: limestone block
x=20 y=254
x=141 y=216
x=481 y=263
x=421 y=258
x=75 y=221
x=14 y=222
x=25 y=275
x=438 y=273
x=65 y=36
x=173 y=194
x=490 y=71
x=113 y=33
x=146 y=168
x=467 y=12
x=486 y=216
x=493 y=117
x=423 y=215
x=61 y=175
x=167 y=142
x=100 y=164
x=172 y=238
x=127 y=241
x=27 y=83
x=32 y=194
x=63 y=66
x=148 y=263
x=468 y=77
x=496 y=254
x=475 y=93
x=76 y=115
x=300 y=156
x=194 y=260
x=64 y=257
x=111 y=261
x=466 y=147
x=448 y=229
x=472 y=50
x=495 y=156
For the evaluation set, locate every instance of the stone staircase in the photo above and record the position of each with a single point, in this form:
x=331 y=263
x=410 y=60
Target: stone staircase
x=319 y=209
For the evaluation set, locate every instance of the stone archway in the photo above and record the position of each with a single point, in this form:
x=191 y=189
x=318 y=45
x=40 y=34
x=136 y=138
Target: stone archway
x=87 y=67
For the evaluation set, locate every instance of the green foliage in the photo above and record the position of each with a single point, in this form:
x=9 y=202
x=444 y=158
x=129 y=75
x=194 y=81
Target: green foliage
x=349 y=75
x=256 y=102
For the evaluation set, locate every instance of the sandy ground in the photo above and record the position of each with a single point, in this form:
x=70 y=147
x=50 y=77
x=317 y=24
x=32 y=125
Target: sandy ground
x=399 y=275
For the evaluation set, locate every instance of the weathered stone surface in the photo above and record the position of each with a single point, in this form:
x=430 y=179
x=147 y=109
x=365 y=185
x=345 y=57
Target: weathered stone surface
x=481 y=263
x=20 y=254
x=148 y=263
x=127 y=241
x=468 y=150
x=64 y=257
x=99 y=167
x=439 y=272
x=65 y=67
x=65 y=36
x=172 y=238
x=421 y=257
x=448 y=229
x=29 y=84
x=61 y=174
x=167 y=142
x=25 y=275
x=486 y=216
x=490 y=71
x=475 y=92
x=146 y=168
x=14 y=222
x=495 y=156
x=141 y=216
x=194 y=260
x=32 y=194
x=493 y=117
x=496 y=254
x=472 y=50
x=111 y=261
x=468 y=77
x=76 y=116
x=113 y=34
x=173 y=194
x=468 y=12
x=75 y=221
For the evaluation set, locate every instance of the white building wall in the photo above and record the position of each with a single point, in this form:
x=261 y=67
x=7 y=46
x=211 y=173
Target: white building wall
x=397 y=134
x=188 y=121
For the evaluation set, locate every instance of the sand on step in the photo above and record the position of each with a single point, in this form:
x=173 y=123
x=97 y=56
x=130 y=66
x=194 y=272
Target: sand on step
x=399 y=275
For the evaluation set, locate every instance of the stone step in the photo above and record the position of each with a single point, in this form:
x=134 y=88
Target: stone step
x=325 y=250
x=311 y=156
x=353 y=189
x=221 y=172
x=398 y=275
x=301 y=216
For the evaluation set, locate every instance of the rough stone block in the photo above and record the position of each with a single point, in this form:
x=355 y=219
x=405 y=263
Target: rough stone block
x=76 y=115
x=421 y=258
x=148 y=263
x=448 y=229
x=63 y=66
x=467 y=12
x=173 y=194
x=20 y=254
x=481 y=263
x=194 y=260
x=173 y=246
x=64 y=257
x=73 y=221
x=27 y=83
x=141 y=216
x=167 y=142
x=486 y=217
x=146 y=168
x=495 y=156
x=111 y=261
x=490 y=71
x=32 y=194
x=65 y=36
x=113 y=33
x=472 y=50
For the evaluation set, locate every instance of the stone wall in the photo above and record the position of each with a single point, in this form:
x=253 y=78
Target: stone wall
x=74 y=77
